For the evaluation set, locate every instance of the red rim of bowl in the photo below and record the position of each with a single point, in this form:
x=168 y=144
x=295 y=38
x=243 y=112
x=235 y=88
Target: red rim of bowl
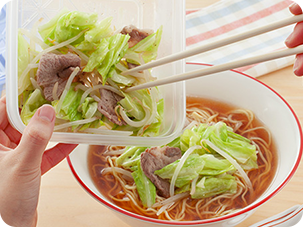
x=207 y=221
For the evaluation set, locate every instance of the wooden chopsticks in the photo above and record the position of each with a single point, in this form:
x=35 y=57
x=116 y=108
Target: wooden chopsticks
x=214 y=45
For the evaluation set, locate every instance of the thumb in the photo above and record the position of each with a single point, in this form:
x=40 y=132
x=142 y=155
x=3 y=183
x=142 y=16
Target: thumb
x=36 y=136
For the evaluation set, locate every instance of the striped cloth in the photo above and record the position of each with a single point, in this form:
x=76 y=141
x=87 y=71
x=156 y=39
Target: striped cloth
x=218 y=21
x=231 y=17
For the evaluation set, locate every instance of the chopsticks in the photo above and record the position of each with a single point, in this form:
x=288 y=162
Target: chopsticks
x=219 y=68
x=214 y=45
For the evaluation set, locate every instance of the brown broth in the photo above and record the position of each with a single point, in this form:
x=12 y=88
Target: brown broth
x=101 y=182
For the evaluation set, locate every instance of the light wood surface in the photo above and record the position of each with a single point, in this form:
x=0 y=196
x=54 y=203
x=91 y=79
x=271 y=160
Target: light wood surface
x=64 y=203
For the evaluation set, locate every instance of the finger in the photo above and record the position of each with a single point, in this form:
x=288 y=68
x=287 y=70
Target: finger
x=10 y=132
x=295 y=9
x=13 y=134
x=298 y=65
x=295 y=38
x=36 y=136
x=55 y=155
x=3 y=114
x=9 y=141
x=4 y=148
x=4 y=140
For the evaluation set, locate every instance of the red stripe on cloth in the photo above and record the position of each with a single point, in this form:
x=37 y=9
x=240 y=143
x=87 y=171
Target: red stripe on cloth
x=189 y=11
x=243 y=69
x=239 y=23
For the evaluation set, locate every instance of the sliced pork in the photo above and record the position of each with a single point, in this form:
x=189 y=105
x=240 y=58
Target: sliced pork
x=136 y=35
x=55 y=68
x=107 y=105
x=156 y=158
x=131 y=65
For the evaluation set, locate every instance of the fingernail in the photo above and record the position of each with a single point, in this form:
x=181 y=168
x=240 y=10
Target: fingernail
x=296 y=67
x=292 y=5
x=290 y=41
x=47 y=112
x=286 y=41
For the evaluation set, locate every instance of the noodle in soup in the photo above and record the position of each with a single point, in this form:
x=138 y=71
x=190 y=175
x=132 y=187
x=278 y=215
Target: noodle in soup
x=118 y=186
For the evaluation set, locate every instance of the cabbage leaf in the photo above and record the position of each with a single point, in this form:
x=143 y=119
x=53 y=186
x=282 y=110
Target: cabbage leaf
x=146 y=49
x=189 y=171
x=88 y=108
x=130 y=157
x=145 y=188
x=69 y=109
x=109 y=52
x=31 y=105
x=67 y=26
x=211 y=186
x=94 y=36
x=23 y=61
x=237 y=146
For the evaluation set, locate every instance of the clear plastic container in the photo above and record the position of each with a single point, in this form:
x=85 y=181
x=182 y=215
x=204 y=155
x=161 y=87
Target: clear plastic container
x=141 y=13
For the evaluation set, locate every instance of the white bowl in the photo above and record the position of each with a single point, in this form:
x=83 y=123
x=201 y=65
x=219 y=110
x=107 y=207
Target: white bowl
x=242 y=91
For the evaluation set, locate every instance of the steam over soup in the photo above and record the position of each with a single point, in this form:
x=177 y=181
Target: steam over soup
x=223 y=161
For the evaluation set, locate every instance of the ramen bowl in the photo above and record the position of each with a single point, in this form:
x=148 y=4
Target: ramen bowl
x=241 y=91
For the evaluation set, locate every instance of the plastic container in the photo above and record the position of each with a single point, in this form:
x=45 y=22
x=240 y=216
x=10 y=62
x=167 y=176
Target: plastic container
x=141 y=13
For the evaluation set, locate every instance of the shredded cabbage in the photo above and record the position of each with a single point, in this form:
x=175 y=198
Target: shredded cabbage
x=204 y=170
x=104 y=54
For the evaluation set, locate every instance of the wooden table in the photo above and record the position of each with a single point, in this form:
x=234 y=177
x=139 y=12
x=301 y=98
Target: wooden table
x=63 y=203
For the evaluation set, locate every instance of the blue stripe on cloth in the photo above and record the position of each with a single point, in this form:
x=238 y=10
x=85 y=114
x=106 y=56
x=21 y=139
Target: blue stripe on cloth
x=235 y=7
x=2 y=60
x=243 y=52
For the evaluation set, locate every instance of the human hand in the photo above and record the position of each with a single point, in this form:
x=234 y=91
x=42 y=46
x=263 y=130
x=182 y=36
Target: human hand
x=296 y=39
x=23 y=160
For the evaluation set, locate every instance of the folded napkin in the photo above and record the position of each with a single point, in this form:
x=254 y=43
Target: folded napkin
x=230 y=17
